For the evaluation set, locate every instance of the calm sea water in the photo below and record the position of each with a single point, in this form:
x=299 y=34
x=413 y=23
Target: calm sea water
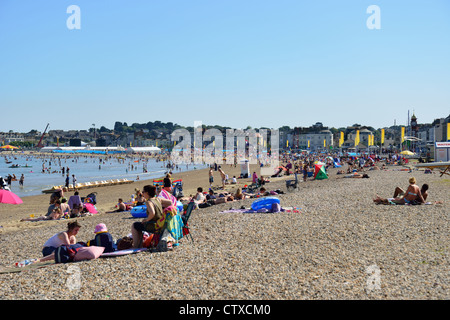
x=85 y=168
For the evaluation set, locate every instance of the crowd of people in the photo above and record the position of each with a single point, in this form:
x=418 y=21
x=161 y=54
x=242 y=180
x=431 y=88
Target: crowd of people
x=157 y=200
x=62 y=208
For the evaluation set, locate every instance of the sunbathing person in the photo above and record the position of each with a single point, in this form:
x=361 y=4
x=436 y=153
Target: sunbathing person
x=412 y=195
x=120 y=207
x=398 y=192
x=239 y=195
x=55 y=215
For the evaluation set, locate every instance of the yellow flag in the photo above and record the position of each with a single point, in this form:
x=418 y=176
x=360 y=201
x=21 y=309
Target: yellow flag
x=308 y=143
x=448 y=131
x=341 y=139
x=357 y=138
x=382 y=136
x=287 y=143
x=324 y=143
x=403 y=135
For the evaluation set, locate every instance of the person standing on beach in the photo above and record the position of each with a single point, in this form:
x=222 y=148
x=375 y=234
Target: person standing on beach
x=223 y=176
x=67 y=181
x=211 y=177
x=22 y=177
x=74 y=181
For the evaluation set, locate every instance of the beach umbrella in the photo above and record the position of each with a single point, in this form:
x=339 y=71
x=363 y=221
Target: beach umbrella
x=10 y=147
x=407 y=152
x=7 y=196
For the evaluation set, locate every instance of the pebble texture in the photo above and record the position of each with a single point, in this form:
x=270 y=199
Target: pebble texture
x=340 y=246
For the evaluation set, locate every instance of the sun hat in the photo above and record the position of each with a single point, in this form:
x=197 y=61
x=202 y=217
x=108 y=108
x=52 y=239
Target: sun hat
x=101 y=227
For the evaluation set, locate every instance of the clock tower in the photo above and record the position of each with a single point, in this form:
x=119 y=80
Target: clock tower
x=414 y=131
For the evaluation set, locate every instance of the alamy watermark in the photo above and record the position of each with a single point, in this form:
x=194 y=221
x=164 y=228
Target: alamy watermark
x=74 y=280
x=234 y=146
x=374 y=20
x=374 y=280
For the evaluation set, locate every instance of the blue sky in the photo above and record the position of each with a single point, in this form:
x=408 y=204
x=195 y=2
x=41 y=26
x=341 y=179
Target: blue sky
x=232 y=63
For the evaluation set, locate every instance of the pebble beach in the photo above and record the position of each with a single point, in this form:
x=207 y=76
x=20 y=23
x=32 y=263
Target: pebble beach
x=339 y=246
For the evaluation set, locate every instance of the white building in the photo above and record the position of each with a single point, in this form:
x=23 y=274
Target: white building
x=317 y=140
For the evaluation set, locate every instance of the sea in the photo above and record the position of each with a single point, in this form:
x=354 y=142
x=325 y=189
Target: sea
x=44 y=172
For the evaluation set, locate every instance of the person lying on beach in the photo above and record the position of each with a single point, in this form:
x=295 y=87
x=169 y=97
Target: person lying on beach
x=356 y=175
x=55 y=215
x=398 y=192
x=210 y=195
x=412 y=195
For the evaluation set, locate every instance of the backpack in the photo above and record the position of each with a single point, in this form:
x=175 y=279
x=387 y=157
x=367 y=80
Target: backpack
x=92 y=198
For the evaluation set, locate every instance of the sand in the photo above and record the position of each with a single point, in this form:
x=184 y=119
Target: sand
x=339 y=246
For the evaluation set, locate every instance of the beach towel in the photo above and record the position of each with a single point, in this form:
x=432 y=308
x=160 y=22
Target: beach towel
x=174 y=224
x=122 y=252
x=90 y=208
x=29 y=267
x=166 y=195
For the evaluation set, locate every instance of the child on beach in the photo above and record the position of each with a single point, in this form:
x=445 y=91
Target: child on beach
x=102 y=238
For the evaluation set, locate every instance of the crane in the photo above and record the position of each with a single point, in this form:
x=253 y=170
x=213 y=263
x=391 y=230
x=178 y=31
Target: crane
x=40 y=145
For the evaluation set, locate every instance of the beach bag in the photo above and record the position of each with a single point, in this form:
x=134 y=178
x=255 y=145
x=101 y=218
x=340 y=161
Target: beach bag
x=204 y=205
x=152 y=240
x=92 y=198
x=66 y=253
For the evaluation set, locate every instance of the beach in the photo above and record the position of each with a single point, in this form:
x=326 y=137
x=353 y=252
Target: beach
x=340 y=245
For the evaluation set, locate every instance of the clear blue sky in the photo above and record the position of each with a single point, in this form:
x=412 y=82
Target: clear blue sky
x=232 y=63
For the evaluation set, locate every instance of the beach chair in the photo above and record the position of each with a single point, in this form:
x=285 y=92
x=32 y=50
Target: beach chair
x=292 y=184
x=185 y=217
x=178 y=190
x=253 y=187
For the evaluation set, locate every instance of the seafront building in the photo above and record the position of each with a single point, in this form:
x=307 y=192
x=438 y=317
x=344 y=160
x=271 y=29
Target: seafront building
x=417 y=137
